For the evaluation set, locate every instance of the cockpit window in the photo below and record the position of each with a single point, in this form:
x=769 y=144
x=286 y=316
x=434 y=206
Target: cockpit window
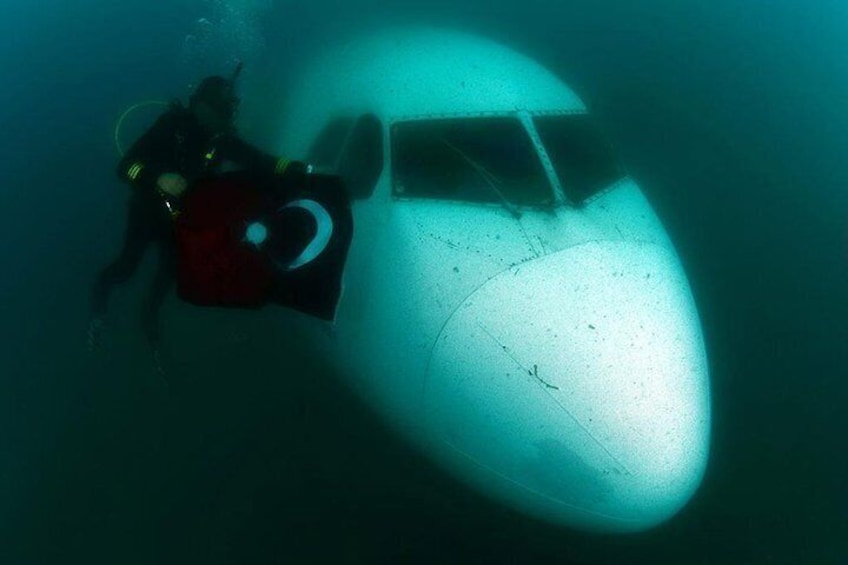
x=325 y=149
x=582 y=158
x=353 y=149
x=468 y=159
x=361 y=161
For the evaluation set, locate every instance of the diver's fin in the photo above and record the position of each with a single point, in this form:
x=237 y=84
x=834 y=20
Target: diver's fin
x=94 y=335
x=159 y=366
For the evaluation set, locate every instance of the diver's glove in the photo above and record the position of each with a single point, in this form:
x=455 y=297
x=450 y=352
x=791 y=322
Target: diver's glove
x=170 y=187
x=172 y=184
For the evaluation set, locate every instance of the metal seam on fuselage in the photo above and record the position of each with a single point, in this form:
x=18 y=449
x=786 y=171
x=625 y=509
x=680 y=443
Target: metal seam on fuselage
x=533 y=491
x=544 y=387
x=496 y=275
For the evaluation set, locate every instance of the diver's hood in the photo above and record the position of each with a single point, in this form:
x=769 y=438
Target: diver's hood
x=219 y=94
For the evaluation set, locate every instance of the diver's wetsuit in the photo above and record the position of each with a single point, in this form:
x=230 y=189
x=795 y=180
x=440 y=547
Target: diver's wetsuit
x=176 y=143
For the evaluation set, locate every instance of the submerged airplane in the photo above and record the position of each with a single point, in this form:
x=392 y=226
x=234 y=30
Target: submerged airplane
x=512 y=304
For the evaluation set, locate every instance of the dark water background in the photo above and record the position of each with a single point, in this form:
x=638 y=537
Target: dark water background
x=732 y=116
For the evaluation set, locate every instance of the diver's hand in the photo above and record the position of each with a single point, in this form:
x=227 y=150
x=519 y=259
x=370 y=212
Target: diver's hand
x=172 y=184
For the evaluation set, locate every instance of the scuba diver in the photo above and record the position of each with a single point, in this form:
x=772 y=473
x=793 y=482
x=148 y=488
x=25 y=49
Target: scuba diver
x=184 y=145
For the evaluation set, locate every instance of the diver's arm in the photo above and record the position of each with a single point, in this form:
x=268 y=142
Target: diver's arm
x=254 y=159
x=147 y=159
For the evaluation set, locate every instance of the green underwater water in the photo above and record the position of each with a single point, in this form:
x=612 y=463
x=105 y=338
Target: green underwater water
x=732 y=118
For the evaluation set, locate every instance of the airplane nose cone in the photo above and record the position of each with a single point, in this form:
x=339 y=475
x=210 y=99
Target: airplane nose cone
x=575 y=387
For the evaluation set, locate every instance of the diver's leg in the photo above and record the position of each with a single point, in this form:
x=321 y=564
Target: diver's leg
x=163 y=281
x=137 y=236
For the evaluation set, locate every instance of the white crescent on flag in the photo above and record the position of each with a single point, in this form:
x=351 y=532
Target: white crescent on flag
x=322 y=237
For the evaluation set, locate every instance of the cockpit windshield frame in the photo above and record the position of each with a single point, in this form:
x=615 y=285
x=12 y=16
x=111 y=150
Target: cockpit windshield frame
x=480 y=158
x=572 y=162
x=578 y=154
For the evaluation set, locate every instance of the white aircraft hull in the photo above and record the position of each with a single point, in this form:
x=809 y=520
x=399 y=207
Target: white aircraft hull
x=554 y=360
